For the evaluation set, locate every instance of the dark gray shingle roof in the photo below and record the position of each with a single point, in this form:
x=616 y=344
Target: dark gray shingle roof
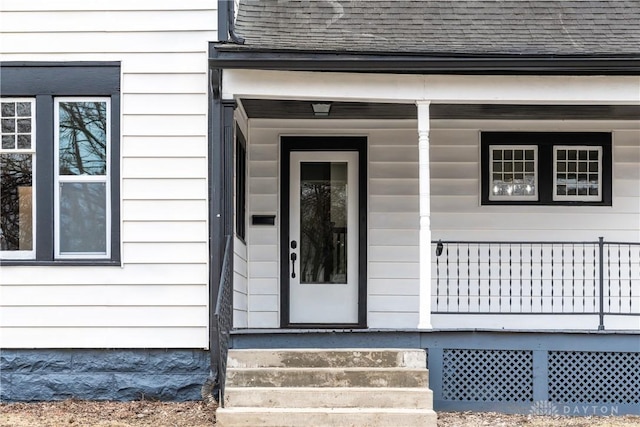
x=437 y=27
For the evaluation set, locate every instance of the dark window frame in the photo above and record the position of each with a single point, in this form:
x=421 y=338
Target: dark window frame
x=46 y=81
x=545 y=141
x=241 y=184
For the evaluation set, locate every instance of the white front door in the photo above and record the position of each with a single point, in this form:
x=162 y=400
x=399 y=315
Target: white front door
x=323 y=233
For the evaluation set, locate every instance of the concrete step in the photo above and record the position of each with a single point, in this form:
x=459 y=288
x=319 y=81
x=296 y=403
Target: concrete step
x=329 y=397
x=307 y=417
x=327 y=358
x=327 y=377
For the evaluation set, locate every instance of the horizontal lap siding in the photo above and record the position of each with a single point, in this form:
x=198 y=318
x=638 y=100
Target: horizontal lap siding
x=565 y=287
x=393 y=224
x=393 y=229
x=262 y=241
x=455 y=184
x=393 y=207
x=240 y=284
x=159 y=296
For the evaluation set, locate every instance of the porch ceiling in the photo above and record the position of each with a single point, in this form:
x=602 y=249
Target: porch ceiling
x=299 y=109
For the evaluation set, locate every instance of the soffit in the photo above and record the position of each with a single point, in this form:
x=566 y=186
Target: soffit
x=301 y=109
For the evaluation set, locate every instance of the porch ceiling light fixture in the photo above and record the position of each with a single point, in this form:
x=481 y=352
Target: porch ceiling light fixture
x=321 y=109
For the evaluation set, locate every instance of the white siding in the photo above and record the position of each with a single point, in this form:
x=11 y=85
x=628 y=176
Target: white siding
x=159 y=296
x=240 y=285
x=393 y=270
x=455 y=183
x=392 y=210
x=458 y=215
x=456 y=211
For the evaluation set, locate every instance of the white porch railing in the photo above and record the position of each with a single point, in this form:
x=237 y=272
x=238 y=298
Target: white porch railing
x=510 y=277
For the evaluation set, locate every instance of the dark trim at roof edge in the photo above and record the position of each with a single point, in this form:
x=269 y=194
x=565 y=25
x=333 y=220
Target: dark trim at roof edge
x=59 y=64
x=406 y=64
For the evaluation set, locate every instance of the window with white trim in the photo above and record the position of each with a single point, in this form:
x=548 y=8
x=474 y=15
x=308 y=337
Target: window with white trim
x=17 y=161
x=547 y=168
x=514 y=172
x=60 y=123
x=577 y=174
x=82 y=179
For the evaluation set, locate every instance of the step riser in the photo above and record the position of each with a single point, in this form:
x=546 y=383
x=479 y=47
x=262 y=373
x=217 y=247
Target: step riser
x=327 y=359
x=328 y=377
x=326 y=419
x=417 y=398
x=335 y=387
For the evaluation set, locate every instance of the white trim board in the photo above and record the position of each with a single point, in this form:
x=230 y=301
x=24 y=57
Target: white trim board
x=400 y=88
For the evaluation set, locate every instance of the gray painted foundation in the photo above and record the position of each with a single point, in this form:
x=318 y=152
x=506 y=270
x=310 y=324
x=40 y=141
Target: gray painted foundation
x=45 y=375
x=546 y=373
x=563 y=373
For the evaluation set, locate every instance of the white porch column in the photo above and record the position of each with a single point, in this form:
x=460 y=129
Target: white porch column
x=424 y=321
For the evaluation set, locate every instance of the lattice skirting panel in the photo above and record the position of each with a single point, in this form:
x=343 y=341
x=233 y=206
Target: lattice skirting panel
x=546 y=382
x=594 y=377
x=487 y=375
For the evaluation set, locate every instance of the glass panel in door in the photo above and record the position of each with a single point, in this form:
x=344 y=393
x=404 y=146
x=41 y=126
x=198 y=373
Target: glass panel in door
x=323 y=222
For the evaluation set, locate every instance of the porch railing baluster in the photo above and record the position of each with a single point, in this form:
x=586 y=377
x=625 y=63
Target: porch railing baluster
x=550 y=281
x=601 y=283
x=489 y=279
x=619 y=280
x=521 y=284
x=447 y=287
x=438 y=282
x=469 y=277
x=541 y=278
x=479 y=278
x=562 y=279
x=584 y=279
x=500 y=278
x=510 y=281
x=531 y=275
x=573 y=277
x=458 y=276
x=630 y=283
x=595 y=278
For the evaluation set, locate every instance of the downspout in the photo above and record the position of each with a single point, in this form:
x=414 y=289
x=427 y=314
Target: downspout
x=220 y=170
x=233 y=37
x=226 y=22
x=220 y=167
x=214 y=141
x=215 y=138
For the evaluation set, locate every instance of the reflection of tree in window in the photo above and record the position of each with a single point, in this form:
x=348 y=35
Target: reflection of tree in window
x=15 y=215
x=323 y=208
x=83 y=138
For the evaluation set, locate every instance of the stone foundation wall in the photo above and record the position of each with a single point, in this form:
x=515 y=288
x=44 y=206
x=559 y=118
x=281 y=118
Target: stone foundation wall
x=41 y=375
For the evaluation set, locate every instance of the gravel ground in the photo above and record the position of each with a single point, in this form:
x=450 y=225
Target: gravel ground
x=107 y=414
x=199 y=414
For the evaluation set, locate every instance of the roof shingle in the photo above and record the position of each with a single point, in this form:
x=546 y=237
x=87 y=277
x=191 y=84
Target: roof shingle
x=437 y=27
